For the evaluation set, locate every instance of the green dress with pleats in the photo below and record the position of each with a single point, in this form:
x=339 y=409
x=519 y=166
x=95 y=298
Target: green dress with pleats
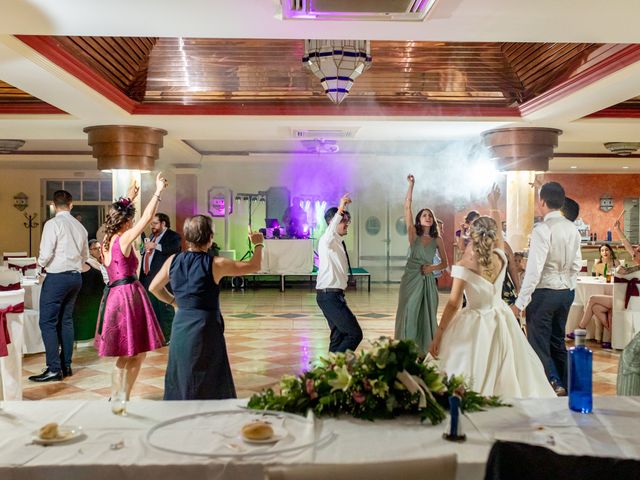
x=416 y=318
x=629 y=369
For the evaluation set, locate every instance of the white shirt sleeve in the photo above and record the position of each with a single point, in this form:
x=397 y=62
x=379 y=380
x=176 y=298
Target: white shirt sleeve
x=85 y=251
x=333 y=224
x=47 y=244
x=577 y=263
x=540 y=244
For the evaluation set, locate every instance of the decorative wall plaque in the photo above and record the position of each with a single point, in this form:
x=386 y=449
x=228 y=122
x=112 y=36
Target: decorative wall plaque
x=606 y=202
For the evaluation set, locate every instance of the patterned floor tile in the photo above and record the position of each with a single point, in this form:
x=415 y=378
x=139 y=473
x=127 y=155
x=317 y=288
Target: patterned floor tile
x=268 y=334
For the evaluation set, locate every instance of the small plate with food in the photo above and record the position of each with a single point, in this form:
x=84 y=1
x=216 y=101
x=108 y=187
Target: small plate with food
x=262 y=431
x=52 y=433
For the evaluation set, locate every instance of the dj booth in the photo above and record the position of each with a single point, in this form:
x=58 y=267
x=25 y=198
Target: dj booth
x=282 y=257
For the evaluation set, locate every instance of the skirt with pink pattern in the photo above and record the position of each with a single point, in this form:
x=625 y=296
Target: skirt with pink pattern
x=127 y=324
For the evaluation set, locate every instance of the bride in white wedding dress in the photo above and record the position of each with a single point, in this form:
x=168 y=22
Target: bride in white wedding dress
x=483 y=341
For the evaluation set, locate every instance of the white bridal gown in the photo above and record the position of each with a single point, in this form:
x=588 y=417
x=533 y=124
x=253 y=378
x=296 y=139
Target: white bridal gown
x=485 y=344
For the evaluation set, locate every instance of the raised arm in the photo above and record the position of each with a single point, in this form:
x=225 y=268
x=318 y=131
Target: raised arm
x=224 y=267
x=408 y=211
x=625 y=241
x=159 y=283
x=127 y=238
x=337 y=218
x=493 y=197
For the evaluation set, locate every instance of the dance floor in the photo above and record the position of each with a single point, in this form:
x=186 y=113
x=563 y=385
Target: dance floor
x=268 y=334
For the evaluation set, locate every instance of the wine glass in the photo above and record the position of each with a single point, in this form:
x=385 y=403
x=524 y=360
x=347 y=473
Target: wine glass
x=119 y=391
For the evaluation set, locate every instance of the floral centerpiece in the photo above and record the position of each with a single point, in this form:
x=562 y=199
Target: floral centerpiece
x=382 y=382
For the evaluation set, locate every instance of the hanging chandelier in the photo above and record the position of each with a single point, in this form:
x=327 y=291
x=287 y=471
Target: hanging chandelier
x=337 y=63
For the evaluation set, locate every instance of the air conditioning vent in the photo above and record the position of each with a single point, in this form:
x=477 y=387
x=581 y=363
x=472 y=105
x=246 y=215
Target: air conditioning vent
x=389 y=10
x=337 y=133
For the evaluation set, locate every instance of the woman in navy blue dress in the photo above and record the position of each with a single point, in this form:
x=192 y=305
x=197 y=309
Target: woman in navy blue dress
x=198 y=367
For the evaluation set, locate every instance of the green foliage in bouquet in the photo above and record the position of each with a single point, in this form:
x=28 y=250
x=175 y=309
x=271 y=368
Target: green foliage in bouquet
x=382 y=382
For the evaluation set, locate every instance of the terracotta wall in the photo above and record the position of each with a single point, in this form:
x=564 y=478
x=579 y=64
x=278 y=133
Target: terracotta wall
x=586 y=189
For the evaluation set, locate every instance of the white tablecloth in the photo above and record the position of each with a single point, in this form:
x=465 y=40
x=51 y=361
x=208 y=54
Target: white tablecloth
x=613 y=430
x=32 y=335
x=287 y=257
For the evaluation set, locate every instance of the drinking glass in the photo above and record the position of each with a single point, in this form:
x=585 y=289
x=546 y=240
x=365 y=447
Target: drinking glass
x=119 y=391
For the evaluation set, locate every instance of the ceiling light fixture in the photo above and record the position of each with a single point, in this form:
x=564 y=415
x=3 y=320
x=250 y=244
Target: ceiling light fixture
x=622 y=148
x=10 y=146
x=625 y=167
x=573 y=166
x=337 y=63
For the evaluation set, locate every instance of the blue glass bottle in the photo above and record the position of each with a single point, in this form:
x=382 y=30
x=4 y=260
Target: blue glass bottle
x=580 y=360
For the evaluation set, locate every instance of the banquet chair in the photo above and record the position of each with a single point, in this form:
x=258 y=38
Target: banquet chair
x=442 y=468
x=11 y=317
x=32 y=338
x=625 y=319
x=27 y=266
x=584 y=268
x=521 y=461
x=9 y=280
x=7 y=255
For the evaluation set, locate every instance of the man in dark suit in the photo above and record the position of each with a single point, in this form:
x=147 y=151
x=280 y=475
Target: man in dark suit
x=161 y=244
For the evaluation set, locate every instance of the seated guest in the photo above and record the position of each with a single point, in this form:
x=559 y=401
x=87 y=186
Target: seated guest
x=600 y=306
x=95 y=259
x=608 y=259
x=198 y=366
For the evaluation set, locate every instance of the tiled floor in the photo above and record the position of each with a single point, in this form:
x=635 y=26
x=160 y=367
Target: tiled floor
x=268 y=334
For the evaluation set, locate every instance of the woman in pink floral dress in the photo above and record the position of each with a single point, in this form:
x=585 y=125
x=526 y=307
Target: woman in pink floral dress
x=127 y=326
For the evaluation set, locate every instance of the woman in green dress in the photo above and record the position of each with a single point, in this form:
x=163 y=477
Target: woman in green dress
x=416 y=318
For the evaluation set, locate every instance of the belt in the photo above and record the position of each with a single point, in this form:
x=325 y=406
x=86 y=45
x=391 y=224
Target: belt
x=103 y=303
x=330 y=290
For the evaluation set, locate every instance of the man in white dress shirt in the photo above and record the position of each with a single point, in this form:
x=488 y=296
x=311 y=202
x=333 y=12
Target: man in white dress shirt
x=333 y=276
x=549 y=283
x=63 y=251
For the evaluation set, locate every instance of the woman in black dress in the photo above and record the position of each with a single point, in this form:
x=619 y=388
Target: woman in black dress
x=198 y=367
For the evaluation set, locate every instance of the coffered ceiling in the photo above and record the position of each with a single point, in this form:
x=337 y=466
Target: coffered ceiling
x=215 y=72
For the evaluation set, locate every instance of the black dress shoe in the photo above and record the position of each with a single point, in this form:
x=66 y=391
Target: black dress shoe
x=67 y=372
x=47 y=376
x=559 y=389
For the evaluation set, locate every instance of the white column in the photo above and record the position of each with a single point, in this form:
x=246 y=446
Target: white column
x=520 y=208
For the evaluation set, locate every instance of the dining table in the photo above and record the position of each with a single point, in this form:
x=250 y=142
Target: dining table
x=160 y=440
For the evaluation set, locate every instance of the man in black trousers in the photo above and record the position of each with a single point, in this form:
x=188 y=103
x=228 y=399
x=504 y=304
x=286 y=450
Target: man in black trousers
x=333 y=275
x=549 y=283
x=161 y=244
x=63 y=251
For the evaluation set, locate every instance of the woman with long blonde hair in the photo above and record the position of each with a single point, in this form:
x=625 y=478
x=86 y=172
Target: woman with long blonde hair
x=483 y=342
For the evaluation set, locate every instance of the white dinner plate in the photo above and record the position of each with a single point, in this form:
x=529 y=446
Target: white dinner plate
x=65 y=433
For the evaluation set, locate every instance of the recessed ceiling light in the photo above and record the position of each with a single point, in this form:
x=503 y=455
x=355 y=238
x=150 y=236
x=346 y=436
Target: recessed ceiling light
x=574 y=166
x=625 y=167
